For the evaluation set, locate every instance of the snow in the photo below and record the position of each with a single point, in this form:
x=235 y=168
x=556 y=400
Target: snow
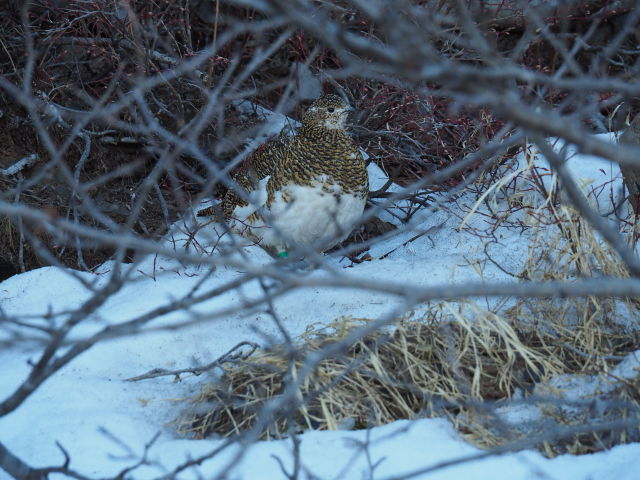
x=104 y=422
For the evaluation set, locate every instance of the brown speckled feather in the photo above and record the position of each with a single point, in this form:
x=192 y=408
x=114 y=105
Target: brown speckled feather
x=312 y=151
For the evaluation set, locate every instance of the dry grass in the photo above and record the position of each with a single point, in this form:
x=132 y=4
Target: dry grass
x=448 y=363
x=389 y=375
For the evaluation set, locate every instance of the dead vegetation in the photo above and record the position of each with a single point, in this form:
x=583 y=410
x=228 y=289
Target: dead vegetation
x=87 y=55
x=457 y=364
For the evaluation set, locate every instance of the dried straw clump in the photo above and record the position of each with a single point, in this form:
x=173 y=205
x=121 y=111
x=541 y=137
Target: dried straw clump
x=587 y=337
x=590 y=330
x=421 y=368
x=456 y=362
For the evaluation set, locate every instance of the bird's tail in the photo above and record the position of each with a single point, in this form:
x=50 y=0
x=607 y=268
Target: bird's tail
x=207 y=212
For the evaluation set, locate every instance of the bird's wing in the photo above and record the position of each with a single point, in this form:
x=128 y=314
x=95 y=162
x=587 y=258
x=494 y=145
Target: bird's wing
x=254 y=175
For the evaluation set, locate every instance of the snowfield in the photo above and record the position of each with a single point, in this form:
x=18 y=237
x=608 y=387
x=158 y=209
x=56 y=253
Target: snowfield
x=104 y=422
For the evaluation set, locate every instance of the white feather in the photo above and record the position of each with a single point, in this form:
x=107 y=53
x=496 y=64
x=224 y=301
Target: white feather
x=310 y=217
x=257 y=199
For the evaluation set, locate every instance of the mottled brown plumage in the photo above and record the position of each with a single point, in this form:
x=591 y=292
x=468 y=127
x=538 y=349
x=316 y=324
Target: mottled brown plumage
x=316 y=177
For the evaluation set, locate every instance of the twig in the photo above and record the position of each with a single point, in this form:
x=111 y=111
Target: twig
x=227 y=357
x=20 y=165
x=432 y=229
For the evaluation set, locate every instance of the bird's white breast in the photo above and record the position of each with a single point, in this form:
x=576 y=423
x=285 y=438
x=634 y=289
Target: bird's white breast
x=308 y=216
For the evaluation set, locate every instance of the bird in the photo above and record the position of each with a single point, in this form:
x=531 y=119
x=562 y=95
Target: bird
x=303 y=191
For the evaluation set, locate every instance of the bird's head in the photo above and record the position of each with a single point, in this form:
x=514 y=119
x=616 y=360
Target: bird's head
x=328 y=111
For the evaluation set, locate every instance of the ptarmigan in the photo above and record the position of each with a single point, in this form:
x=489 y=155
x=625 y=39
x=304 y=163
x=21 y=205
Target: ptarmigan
x=305 y=190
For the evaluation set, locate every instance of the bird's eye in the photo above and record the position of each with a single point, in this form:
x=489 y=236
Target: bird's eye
x=331 y=109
